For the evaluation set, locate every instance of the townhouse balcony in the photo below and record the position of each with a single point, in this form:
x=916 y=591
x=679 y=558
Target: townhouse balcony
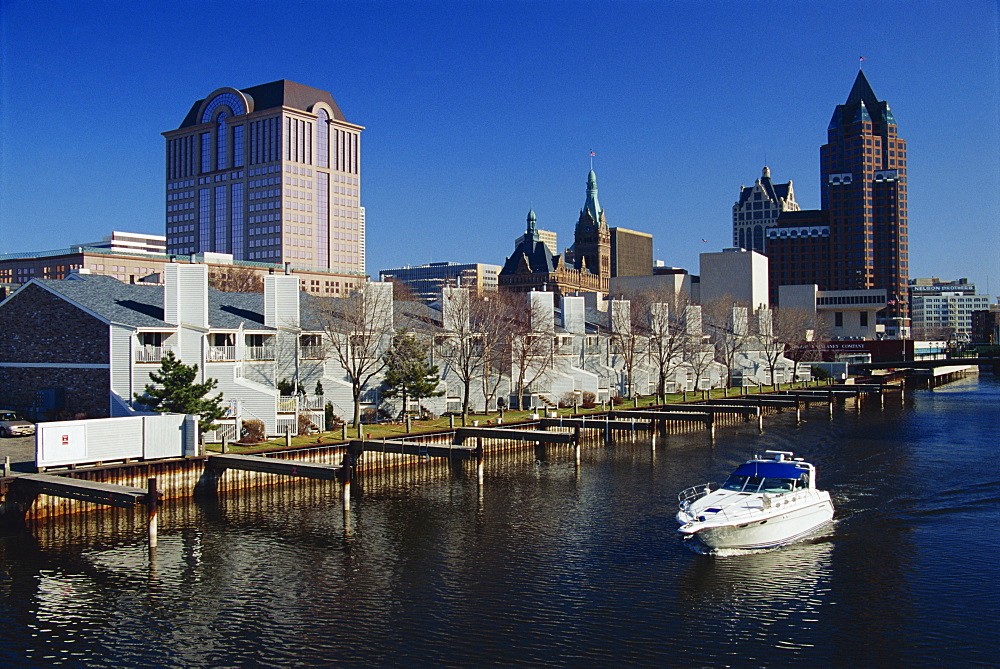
x=221 y=354
x=151 y=354
x=287 y=404
x=260 y=353
x=311 y=352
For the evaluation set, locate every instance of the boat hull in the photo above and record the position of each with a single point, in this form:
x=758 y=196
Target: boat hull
x=774 y=530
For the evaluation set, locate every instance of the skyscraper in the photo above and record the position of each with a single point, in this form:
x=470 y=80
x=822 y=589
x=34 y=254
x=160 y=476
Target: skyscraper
x=269 y=173
x=858 y=239
x=863 y=186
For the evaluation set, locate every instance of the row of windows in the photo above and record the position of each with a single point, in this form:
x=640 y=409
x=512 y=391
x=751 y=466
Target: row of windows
x=180 y=217
x=261 y=194
x=265 y=241
x=181 y=184
x=180 y=196
x=260 y=183
x=180 y=228
x=267 y=169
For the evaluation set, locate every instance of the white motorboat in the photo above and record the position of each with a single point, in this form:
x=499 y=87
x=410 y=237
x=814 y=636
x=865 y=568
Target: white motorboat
x=766 y=502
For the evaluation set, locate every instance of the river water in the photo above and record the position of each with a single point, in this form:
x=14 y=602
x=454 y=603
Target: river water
x=550 y=564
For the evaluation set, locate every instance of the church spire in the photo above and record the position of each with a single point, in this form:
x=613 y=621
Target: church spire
x=532 y=232
x=592 y=206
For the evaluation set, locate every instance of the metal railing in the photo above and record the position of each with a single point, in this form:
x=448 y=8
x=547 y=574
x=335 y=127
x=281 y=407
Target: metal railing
x=311 y=352
x=260 y=353
x=151 y=353
x=221 y=354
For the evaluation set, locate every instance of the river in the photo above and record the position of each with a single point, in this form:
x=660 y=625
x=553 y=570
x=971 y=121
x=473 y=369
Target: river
x=550 y=564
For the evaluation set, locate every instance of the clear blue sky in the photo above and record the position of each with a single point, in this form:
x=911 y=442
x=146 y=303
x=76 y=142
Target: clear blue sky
x=477 y=111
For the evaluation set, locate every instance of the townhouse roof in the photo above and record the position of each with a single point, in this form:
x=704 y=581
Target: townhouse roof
x=141 y=306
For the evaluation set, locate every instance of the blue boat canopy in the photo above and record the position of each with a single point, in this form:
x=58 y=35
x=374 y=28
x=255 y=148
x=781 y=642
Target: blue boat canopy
x=774 y=470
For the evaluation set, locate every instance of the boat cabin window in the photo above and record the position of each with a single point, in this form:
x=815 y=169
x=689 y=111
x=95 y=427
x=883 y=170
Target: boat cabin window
x=735 y=482
x=753 y=484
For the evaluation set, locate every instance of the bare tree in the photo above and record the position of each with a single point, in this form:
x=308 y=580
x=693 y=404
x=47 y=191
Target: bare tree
x=495 y=315
x=697 y=354
x=358 y=329
x=729 y=331
x=629 y=335
x=531 y=343
x=462 y=347
x=237 y=279
x=667 y=337
x=807 y=344
x=781 y=328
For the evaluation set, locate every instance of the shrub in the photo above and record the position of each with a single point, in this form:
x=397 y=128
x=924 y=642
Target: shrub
x=589 y=400
x=333 y=421
x=617 y=400
x=369 y=416
x=252 y=431
x=306 y=425
x=567 y=400
x=820 y=374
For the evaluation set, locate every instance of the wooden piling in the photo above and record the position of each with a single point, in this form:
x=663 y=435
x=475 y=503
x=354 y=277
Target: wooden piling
x=152 y=507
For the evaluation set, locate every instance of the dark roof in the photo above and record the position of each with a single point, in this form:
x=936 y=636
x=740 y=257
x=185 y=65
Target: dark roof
x=141 y=306
x=852 y=111
x=774 y=192
x=281 y=93
x=535 y=256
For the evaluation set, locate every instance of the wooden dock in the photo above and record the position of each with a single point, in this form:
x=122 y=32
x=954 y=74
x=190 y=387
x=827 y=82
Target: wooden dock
x=417 y=448
x=109 y=494
x=536 y=436
x=256 y=463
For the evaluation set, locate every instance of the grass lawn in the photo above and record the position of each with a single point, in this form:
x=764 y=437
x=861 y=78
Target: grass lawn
x=395 y=430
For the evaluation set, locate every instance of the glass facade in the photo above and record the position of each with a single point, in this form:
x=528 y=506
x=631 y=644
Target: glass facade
x=221 y=155
x=237 y=146
x=206 y=152
x=236 y=221
x=221 y=227
x=231 y=100
x=323 y=139
x=204 y=219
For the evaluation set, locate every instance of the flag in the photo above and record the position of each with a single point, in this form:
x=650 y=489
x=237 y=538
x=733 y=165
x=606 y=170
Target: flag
x=704 y=240
x=592 y=154
x=861 y=57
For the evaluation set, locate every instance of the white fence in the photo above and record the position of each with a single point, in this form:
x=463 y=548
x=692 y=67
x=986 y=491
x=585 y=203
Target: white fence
x=77 y=442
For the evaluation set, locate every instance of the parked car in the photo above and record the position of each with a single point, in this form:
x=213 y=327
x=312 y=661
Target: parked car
x=12 y=425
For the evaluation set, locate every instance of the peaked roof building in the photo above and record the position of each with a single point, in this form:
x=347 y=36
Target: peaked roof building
x=758 y=209
x=859 y=239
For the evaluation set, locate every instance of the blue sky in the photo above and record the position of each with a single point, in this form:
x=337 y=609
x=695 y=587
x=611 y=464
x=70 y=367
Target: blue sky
x=477 y=111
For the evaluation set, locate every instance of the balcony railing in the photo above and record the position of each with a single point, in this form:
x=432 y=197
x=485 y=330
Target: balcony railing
x=150 y=353
x=311 y=352
x=287 y=404
x=221 y=353
x=260 y=352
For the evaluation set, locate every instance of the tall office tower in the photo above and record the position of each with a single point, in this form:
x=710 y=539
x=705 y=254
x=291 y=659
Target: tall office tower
x=269 y=173
x=758 y=209
x=863 y=187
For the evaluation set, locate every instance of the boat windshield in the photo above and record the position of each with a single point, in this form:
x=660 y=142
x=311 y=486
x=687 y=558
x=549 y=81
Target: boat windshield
x=753 y=484
x=735 y=482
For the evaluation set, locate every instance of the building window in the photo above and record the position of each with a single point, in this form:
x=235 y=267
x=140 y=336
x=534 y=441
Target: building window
x=206 y=152
x=238 y=146
x=838 y=319
x=864 y=319
x=220 y=137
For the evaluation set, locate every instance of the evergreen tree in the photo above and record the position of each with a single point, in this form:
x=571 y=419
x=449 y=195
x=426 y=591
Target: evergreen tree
x=176 y=392
x=408 y=375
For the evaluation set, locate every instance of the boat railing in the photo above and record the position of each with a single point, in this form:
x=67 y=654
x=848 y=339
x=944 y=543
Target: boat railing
x=695 y=492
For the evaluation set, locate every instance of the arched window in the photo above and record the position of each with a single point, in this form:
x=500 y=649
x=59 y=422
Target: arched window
x=322 y=139
x=221 y=155
x=231 y=100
